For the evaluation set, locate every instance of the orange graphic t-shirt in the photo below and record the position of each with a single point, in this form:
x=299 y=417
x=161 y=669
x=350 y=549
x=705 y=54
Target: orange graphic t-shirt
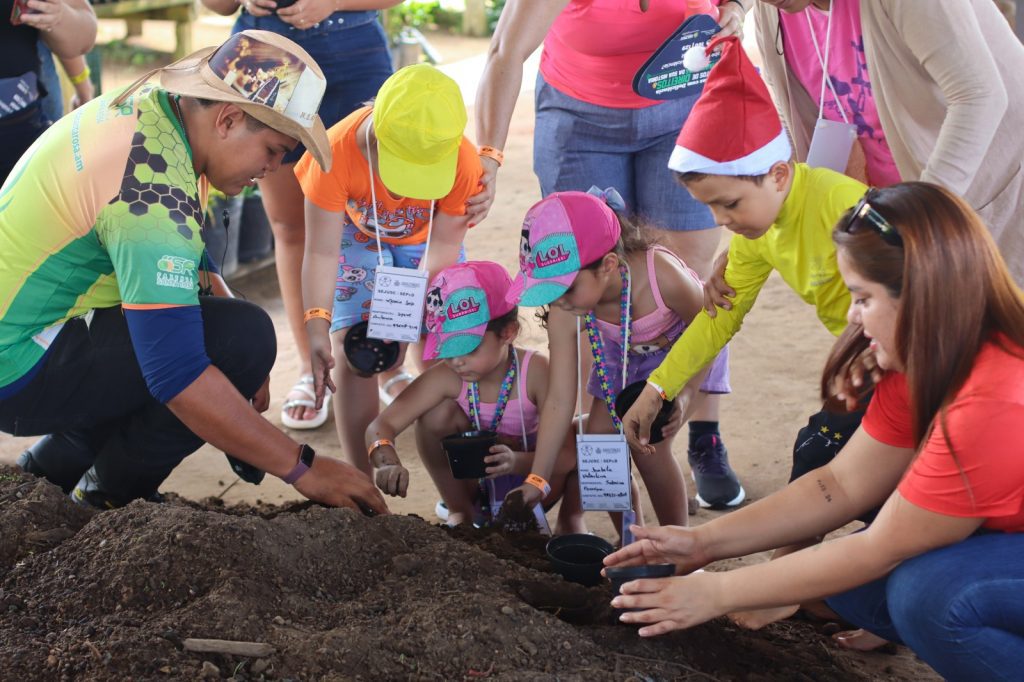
x=347 y=187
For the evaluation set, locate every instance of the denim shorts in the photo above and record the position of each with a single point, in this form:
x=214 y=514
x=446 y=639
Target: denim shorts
x=577 y=144
x=352 y=51
x=357 y=270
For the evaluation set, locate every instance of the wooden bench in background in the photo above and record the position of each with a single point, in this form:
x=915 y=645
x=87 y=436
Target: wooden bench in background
x=181 y=12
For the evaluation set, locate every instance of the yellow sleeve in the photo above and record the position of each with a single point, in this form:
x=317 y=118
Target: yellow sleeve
x=706 y=336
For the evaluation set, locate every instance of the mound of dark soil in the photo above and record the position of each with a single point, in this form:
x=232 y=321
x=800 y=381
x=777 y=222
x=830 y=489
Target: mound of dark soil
x=339 y=596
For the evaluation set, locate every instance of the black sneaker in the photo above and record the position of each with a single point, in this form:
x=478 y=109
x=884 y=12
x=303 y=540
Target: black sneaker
x=89 y=493
x=717 y=485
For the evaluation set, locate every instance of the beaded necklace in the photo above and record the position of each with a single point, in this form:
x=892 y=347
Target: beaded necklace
x=597 y=346
x=503 y=395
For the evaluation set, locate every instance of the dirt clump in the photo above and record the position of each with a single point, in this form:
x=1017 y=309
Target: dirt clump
x=339 y=596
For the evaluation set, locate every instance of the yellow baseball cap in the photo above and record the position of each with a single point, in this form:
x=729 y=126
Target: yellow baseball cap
x=419 y=118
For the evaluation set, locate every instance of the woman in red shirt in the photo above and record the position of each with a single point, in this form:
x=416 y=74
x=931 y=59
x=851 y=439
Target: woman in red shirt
x=941 y=569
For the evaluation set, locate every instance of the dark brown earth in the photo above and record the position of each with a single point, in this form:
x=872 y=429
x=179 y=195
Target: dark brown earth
x=112 y=596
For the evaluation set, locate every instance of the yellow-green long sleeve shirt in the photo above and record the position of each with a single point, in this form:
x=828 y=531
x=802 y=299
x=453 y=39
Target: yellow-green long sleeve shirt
x=799 y=245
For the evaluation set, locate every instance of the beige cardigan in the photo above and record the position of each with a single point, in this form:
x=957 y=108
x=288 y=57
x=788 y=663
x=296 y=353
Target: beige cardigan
x=948 y=82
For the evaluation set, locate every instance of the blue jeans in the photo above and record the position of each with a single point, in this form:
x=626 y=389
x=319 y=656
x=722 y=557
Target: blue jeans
x=577 y=144
x=52 y=102
x=959 y=608
x=350 y=48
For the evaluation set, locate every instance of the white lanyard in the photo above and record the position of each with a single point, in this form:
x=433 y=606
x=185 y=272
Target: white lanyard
x=826 y=79
x=373 y=198
x=396 y=304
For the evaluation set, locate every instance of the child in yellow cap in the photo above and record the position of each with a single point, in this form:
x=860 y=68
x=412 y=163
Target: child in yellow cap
x=402 y=170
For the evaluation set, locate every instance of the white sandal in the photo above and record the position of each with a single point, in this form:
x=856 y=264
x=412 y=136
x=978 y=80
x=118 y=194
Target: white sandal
x=305 y=386
x=385 y=391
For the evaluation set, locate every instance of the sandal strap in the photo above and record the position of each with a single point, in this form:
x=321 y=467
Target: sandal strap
x=304 y=388
x=401 y=376
x=297 y=402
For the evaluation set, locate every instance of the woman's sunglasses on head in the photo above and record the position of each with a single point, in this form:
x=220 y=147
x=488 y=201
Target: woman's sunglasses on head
x=864 y=213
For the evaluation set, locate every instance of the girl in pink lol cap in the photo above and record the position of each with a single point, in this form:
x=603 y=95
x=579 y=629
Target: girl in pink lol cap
x=589 y=264
x=484 y=383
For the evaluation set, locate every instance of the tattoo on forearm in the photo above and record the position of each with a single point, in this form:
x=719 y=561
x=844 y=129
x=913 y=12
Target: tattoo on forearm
x=824 y=490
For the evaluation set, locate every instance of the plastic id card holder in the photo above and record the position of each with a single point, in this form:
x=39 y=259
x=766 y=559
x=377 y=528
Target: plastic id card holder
x=396 y=308
x=604 y=472
x=831 y=145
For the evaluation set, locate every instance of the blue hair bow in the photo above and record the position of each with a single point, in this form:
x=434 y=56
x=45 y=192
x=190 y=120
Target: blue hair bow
x=609 y=196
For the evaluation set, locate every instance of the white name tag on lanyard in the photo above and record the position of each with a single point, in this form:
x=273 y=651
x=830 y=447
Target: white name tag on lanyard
x=831 y=145
x=396 y=308
x=603 y=465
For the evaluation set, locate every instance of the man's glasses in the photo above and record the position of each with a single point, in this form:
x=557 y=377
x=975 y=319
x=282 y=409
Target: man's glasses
x=863 y=212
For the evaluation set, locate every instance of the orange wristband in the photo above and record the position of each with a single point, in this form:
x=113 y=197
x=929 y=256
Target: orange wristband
x=377 y=444
x=538 y=483
x=322 y=313
x=659 y=389
x=492 y=153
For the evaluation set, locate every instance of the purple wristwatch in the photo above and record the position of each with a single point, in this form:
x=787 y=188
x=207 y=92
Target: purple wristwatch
x=306 y=455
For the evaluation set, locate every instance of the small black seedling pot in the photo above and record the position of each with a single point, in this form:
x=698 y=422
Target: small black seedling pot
x=621 y=576
x=466 y=452
x=628 y=396
x=369 y=356
x=579 y=557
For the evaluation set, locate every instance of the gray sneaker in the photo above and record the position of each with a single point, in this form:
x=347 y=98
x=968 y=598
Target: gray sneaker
x=717 y=485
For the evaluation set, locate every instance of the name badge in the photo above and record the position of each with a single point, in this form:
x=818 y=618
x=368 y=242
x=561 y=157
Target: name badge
x=604 y=472
x=396 y=307
x=831 y=145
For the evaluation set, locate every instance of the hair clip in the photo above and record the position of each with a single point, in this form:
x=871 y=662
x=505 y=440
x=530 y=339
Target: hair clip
x=610 y=196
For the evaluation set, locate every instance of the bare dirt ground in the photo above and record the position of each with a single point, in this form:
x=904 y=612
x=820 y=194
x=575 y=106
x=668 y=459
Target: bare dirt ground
x=387 y=598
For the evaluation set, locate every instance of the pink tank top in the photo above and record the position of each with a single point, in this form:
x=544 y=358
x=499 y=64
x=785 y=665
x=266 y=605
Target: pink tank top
x=520 y=410
x=654 y=331
x=595 y=47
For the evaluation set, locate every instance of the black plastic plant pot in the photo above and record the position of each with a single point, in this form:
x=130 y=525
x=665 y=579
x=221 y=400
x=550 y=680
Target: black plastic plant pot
x=466 y=452
x=621 y=576
x=369 y=356
x=628 y=396
x=579 y=557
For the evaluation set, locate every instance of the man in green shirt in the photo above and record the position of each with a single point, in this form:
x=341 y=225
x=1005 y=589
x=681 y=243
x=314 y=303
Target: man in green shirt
x=106 y=345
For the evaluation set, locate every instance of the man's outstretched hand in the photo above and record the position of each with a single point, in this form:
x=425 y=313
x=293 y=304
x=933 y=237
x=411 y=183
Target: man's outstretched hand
x=337 y=484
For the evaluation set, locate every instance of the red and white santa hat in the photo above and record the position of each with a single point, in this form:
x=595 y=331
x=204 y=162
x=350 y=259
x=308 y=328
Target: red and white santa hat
x=734 y=128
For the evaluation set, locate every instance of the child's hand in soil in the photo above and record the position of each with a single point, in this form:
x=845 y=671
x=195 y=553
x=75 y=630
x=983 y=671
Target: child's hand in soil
x=337 y=484
x=661 y=545
x=393 y=479
x=530 y=495
x=391 y=476
x=504 y=460
x=671 y=603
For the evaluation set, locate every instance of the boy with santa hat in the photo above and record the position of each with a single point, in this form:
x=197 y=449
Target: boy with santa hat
x=734 y=155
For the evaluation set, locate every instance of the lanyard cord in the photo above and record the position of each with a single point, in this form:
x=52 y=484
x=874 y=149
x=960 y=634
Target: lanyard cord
x=376 y=219
x=504 y=395
x=826 y=79
x=597 y=348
